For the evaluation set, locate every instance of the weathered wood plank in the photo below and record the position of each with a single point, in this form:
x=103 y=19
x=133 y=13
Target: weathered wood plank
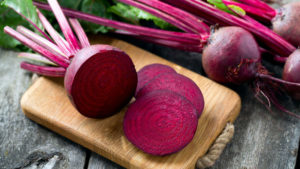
x=99 y=162
x=23 y=143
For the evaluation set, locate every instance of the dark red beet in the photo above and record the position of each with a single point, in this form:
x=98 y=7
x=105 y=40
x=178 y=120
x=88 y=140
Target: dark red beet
x=286 y=23
x=231 y=56
x=160 y=123
x=176 y=83
x=291 y=73
x=148 y=72
x=100 y=80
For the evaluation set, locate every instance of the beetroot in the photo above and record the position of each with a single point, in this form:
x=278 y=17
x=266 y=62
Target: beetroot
x=148 y=72
x=99 y=79
x=290 y=73
x=160 y=123
x=231 y=56
x=176 y=83
x=286 y=23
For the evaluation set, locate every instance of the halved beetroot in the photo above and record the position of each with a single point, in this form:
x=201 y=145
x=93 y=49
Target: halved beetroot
x=161 y=122
x=100 y=80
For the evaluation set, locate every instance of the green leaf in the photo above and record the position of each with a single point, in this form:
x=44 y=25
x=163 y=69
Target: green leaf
x=124 y=12
x=99 y=8
x=73 y=4
x=10 y=18
x=134 y=15
x=219 y=4
x=24 y=7
x=238 y=10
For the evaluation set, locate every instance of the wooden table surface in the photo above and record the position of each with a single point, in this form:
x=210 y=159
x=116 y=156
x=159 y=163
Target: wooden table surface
x=262 y=140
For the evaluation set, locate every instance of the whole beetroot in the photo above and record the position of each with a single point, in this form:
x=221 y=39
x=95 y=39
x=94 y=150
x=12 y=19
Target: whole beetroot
x=286 y=23
x=231 y=56
x=290 y=73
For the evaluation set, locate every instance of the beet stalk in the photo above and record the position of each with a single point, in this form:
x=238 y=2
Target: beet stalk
x=283 y=20
x=99 y=79
x=186 y=41
x=214 y=15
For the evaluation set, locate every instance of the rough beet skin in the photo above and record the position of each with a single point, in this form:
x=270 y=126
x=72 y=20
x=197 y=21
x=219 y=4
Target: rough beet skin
x=291 y=73
x=286 y=23
x=231 y=56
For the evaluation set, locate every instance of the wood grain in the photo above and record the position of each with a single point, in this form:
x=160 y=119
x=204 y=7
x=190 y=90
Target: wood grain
x=46 y=103
x=23 y=143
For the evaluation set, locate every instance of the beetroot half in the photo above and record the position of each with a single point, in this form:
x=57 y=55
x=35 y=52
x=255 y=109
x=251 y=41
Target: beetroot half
x=160 y=123
x=176 y=83
x=100 y=80
x=148 y=72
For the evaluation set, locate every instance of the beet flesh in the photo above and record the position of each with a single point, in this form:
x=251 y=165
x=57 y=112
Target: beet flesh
x=100 y=80
x=286 y=23
x=148 y=72
x=231 y=56
x=161 y=122
x=176 y=83
x=290 y=73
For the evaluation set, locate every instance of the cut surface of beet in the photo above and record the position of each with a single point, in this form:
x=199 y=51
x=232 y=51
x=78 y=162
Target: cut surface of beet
x=161 y=122
x=100 y=80
x=148 y=72
x=176 y=83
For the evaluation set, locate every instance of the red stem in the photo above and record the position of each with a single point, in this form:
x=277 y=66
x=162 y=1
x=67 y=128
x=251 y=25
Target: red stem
x=202 y=9
x=40 y=41
x=64 y=25
x=280 y=59
x=60 y=41
x=62 y=61
x=259 y=4
x=280 y=81
x=34 y=25
x=173 y=44
x=84 y=41
x=178 y=16
x=44 y=70
x=261 y=13
x=154 y=33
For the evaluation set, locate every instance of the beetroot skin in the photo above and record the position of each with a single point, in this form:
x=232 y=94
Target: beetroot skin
x=291 y=73
x=148 y=72
x=286 y=23
x=176 y=83
x=100 y=80
x=231 y=56
x=160 y=123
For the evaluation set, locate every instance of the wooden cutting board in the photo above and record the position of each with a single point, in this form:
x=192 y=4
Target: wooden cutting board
x=46 y=103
